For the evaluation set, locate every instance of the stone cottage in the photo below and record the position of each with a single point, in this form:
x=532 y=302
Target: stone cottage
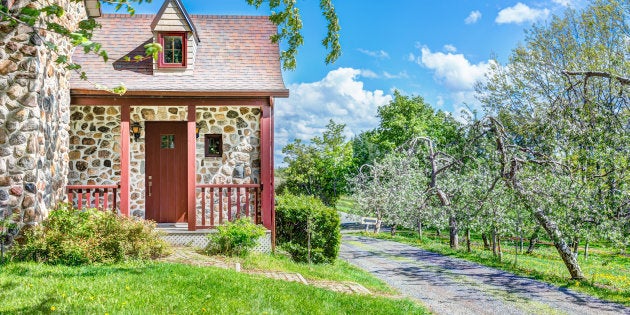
x=191 y=141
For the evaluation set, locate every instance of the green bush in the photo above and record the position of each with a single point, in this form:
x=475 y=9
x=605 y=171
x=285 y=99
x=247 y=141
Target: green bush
x=296 y=216
x=236 y=238
x=72 y=237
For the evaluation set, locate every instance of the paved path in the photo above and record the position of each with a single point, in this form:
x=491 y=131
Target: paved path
x=453 y=286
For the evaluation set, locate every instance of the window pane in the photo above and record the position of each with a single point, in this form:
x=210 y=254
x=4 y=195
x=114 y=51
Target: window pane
x=168 y=56
x=167 y=142
x=177 y=56
x=168 y=42
x=178 y=42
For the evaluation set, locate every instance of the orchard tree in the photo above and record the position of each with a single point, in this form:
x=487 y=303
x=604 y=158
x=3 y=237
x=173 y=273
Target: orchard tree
x=562 y=120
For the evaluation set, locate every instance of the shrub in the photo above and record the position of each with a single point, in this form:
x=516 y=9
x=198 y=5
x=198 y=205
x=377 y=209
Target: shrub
x=236 y=238
x=72 y=237
x=307 y=229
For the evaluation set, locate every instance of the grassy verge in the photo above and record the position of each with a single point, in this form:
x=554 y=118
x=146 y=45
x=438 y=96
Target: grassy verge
x=164 y=288
x=607 y=272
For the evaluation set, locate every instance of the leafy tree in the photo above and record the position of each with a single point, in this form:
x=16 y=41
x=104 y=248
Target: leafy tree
x=408 y=117
x=319 y=169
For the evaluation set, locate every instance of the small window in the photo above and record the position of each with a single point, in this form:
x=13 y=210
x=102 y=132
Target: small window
x=213 y=145
x=167 y=142
x=173 y=53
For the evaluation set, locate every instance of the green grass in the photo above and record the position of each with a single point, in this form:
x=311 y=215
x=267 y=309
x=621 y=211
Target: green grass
x=347 y=204
x=339 y=271
x=165 y=288
x=607 y=272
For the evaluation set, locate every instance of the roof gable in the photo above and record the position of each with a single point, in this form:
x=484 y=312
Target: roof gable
x=173 y=17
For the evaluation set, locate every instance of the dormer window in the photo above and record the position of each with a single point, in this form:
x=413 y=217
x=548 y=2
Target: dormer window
x=174 y=51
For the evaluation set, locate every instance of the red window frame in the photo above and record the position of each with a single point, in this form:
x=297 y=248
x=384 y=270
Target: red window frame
x=161 y=62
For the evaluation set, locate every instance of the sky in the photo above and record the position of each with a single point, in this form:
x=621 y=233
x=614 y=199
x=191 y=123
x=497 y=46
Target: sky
x=433 y=49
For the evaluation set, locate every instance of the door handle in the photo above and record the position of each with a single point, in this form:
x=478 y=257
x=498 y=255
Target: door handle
x=150 y=185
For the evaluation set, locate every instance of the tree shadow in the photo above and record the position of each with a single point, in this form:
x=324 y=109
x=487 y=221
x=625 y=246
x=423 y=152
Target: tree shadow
x=144 y=66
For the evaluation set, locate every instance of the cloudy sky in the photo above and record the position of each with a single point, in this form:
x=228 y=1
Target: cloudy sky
x=434 y=49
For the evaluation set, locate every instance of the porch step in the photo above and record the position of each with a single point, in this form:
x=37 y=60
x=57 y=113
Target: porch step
x=180 y=236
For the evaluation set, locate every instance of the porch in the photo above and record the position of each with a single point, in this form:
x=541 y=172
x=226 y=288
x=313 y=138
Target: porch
x=166 y=175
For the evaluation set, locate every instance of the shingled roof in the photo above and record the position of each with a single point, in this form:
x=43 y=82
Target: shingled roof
x=235 y=55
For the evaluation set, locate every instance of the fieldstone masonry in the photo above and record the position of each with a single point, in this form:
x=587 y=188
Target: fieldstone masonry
x=34 y=116
x=95 y=151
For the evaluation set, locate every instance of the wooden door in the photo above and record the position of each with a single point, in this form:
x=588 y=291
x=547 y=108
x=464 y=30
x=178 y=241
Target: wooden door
x=165 y=171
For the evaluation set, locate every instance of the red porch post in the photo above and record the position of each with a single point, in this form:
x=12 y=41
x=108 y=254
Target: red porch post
x=191 y=177
x=124 y=159
x=266 y=170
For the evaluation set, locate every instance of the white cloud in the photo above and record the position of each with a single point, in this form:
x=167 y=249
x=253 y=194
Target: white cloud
x=473 y=17
x=339 y=96
x=369 y=74
x=452 y=70
x=380 y=54
x=520 y=13
x=564 y=3
x=399 y=75
x=450 y=48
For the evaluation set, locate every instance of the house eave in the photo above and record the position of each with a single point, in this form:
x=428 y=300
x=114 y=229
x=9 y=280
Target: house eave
x=280 y=93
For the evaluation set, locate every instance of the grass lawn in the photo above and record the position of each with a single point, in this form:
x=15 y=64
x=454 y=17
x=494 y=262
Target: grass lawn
x=165 y=288
x=607 y=272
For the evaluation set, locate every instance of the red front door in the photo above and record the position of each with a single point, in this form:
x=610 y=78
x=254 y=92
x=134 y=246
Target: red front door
x=165 y=171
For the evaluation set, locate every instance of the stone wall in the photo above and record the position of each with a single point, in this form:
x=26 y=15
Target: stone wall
x=34 y=116
x=95 y=150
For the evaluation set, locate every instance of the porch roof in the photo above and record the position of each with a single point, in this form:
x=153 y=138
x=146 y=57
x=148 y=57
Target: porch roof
x=235 y=57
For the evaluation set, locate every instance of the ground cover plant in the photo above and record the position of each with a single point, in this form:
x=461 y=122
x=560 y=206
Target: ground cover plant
x=165 y=288
x=607 y=271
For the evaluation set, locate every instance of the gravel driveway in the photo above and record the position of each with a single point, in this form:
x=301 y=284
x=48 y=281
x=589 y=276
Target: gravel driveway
x=453 y=286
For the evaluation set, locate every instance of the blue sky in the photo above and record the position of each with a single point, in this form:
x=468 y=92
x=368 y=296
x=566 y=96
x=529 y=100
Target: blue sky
x=434 y=49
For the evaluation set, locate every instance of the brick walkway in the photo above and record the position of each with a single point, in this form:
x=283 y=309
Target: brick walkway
x=188 y=255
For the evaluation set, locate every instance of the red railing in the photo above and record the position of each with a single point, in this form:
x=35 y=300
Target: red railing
x=93 y=196
x=228 y=201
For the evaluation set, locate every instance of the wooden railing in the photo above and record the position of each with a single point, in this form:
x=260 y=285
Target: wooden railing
x=228 y=202
x=93 y=196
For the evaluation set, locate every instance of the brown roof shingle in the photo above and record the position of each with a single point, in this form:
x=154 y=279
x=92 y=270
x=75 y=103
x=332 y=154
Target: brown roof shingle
x=235 y=55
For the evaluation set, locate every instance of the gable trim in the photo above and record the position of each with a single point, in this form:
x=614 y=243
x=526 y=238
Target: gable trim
x=181 y=8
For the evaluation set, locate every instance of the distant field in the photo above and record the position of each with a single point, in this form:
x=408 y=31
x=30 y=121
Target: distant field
x=348 y=205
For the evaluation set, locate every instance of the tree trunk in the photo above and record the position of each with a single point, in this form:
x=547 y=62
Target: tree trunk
x=393 y=230
x=561 y=246
x=576 y=244
x=494 y=242
x=437 y=232
x=468 y=240
x=420 y=229
x=486 y=244
x=586 y=250
x=454 y=240
x=499 y=251
x=377 y=227
x=533 y=240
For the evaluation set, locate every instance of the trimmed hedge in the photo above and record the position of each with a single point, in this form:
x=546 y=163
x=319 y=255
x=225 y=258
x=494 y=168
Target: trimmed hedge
x=295 y=216
x=73 y=237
